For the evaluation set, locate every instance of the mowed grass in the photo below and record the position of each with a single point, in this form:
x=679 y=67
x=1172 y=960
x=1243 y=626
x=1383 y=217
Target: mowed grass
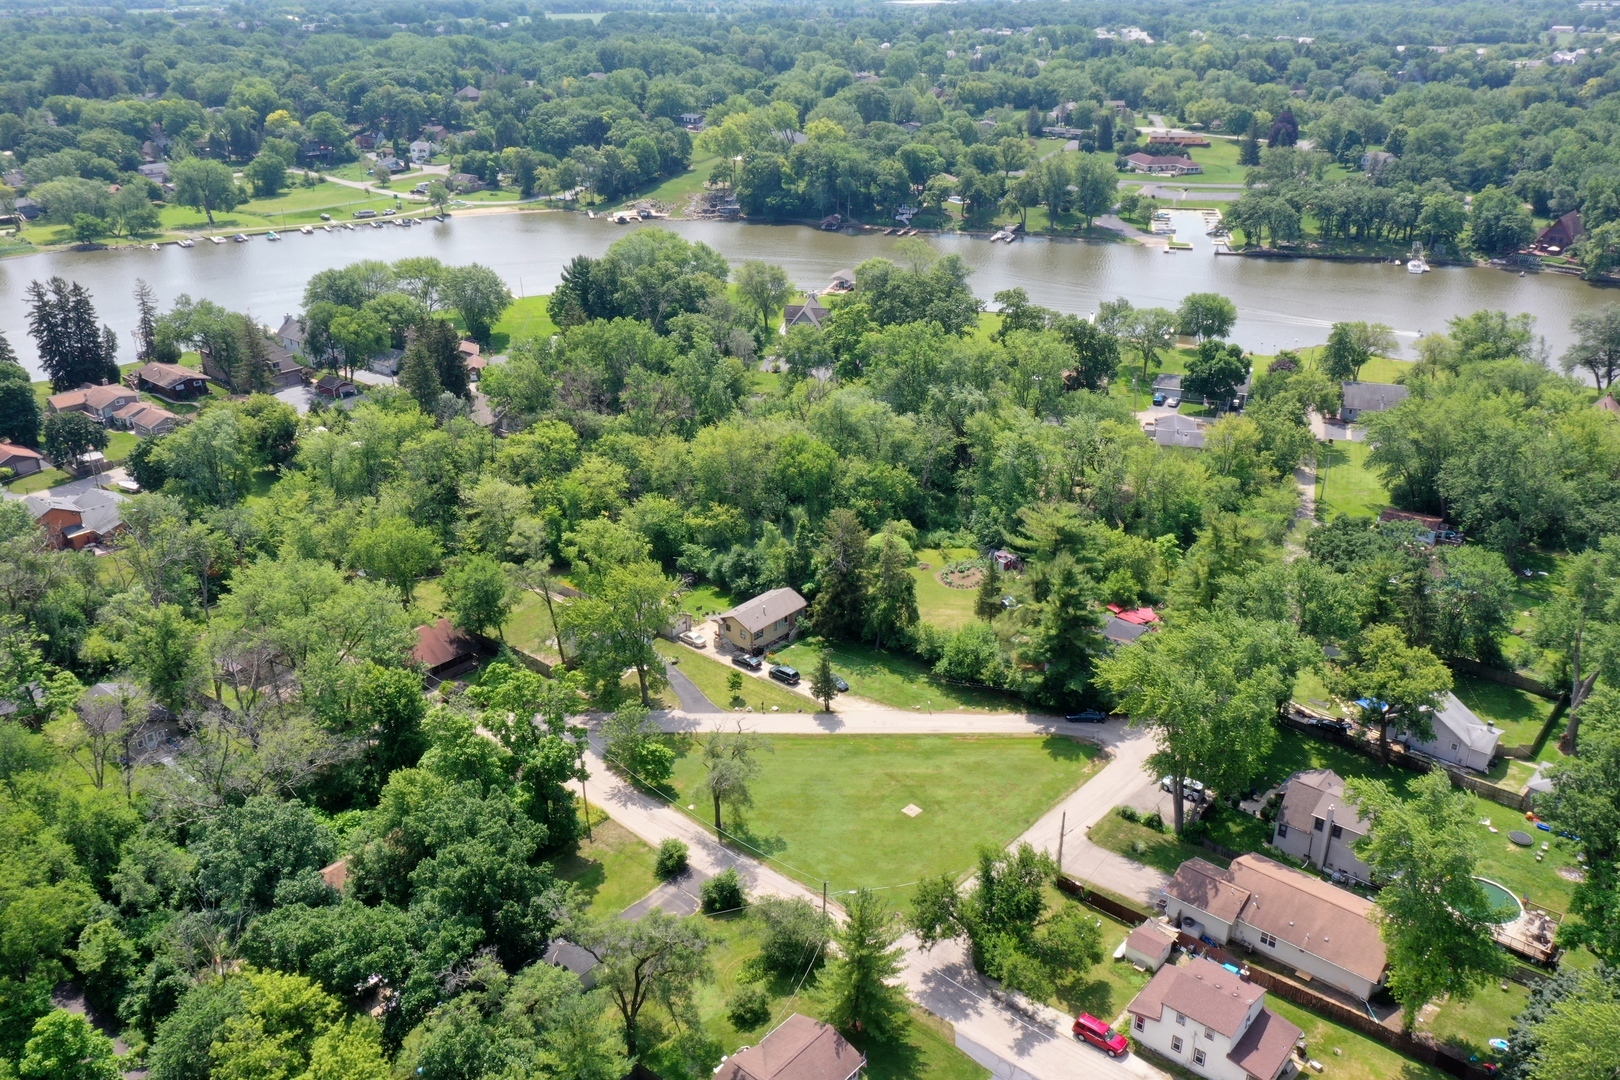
x=1471 y=1024
x=1518 y=713
x=611 y=870
x=828 y=807
x=674 y=191
x=894 y=680
x=526 y=319
x=1349 y=1055
x=1344 y=483
x=710 y=677
x=938 y=603
x=45 y=478
x=1160 y=850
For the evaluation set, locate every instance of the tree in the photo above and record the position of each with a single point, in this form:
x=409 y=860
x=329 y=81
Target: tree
x=1149 y=332
x=1343 y=356
x=164 y=652
x=1597 y=345
x=479 y=294
x=267 y=173
x=1402 y=683
x=656 y=957
x=130 y=211
x=891 y=591
x=1215 y=372
x=987 y=602
x=632 y=742
x=1577 y=630
x=396 y=551
x=1585 y=797
x=208 y=461
x=1012 y=937
x=69 y=436
x=730 y=764
x=1435 y=918
x=477 y=594
x=72 y=350
x=1205 y=315
x=63 y=1046
x=1580 y=1035
x=839 y=606
x=1441 y=221
x=420 y=377
x=264 y=852
x=19 y=408
x=146 y=308
x=438 y=195
x=823 y=683
x=204 y=185
x=860 y=982
x=1249 y=148
x=763 y=287
x=1499 y=224
x=1208 y=689
x=1096 y=182
x=1064 y=640
x=614 y=627
x=358 y=335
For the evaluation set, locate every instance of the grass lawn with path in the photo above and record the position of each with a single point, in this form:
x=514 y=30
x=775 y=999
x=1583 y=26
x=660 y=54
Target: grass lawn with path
x=828 y=807
x=1472 y=1024
x=710 y=676
x=1344 y=483
x=612 y=870
x=894 y=680
x=937 y=602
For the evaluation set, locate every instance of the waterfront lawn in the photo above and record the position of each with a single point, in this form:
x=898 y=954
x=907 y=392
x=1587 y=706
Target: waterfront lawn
x=710 y=677
x=1519 y=713
x=894 y=680
x=527 y=318
x=674 y=191
x=1137 y=842
x=611 y=870
x=1220 y=162
x=1471 y=1025
x=298 y=206
x=938 y=603
x=828 y=807
x=1349 y=1055
x=1344 y=483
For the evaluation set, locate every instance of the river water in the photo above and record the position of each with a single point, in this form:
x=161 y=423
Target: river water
x=1281 y=304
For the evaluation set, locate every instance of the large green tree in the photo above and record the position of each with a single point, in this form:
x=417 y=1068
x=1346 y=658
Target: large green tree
x=204 y=185
x=860 y=981
x=1403 y=684
x=654 y=958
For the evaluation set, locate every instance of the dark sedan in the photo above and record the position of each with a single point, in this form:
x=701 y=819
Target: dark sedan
x=752 y=663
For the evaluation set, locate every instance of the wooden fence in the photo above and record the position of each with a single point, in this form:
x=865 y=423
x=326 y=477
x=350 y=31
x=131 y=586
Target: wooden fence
x=1111 y=906
x=1506 y=678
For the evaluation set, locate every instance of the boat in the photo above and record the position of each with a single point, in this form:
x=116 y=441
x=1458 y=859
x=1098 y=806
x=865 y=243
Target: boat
x=217 y=239
x=349 y=225
x=307 y=230
x=1416 y=266
x=1000 y=234
x=271 y=236
x=188 y=242
x=240 y=238
x=153 y=247
x=326 y=228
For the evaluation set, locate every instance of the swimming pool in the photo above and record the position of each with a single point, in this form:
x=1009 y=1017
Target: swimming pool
x=1505 y=907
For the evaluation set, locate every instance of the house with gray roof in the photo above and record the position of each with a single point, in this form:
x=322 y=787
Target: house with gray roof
x=763 y=621
x=1178 y=430
x=1368 y=397
x=1318 y=824
x=1460 y=737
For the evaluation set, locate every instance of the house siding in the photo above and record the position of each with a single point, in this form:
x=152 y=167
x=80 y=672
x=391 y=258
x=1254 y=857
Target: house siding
x=1300 y=960
x=1160 y=1035
x=1322 y=849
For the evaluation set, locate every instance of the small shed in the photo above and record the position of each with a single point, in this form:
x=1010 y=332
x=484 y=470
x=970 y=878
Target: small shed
x=1006 y=561
x=1149 y=945
x=445 y=650
x=565 y=954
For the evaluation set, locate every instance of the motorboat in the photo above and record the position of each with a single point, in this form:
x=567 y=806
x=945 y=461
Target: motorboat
x=1416 y=266
x=217 y=239
x=240 y=238
x=188 y=242
x=376 y=224
x=153 y=247
x=307 y=230
x=271 y=236
x=326 y=228
x=349 y=225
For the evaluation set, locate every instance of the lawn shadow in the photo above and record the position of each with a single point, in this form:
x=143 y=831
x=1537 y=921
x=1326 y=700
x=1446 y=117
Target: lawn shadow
x=741 y=831
x=1094 y=996
x=587 y=875
x=1066 y=748
x=890 y=1059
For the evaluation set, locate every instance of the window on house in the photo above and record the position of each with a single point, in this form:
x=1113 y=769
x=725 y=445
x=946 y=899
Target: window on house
x=1180 y=1019
x=1268 y=940
x=1198 y=1057
x=1454 y=746
x=1337 y=832
x=1175 y=1043
x=1317 y=824
x=1141 y=1025
x=1209 y=1033
x=1282 y=830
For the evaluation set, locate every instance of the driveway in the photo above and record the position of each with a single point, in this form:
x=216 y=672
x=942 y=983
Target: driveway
x=76 y=487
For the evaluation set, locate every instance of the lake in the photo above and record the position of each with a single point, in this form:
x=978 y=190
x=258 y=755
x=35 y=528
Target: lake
x=1281 y=303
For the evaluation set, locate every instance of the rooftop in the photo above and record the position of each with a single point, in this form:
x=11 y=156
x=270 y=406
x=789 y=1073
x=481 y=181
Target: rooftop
x=798 y=1049
x=766 y=609
x=1311 y=795
x=1372 y=396
x=1204 y=992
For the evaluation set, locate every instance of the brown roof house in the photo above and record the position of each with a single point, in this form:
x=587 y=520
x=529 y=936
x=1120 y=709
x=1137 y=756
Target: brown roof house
x=1607 y=404
x=1318 y=824
x=170 y=381
x=446 y=651
x=1315 y=928
x=1149 y=945
x=77 y=521
x=1560 y=236
x=797 y=1049
x=144 y=419
x=21 y=460
x=1163 y=165
x=97 y=402
x=766 y=619
x=1205 y=1018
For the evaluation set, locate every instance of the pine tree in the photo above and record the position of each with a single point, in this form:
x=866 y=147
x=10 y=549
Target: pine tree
x=19 y=408
x=1064 y=640
x=988 y=603
x=251 y=372
x=443 y=345
x=146 y=323
x=861 y=981
x=109 y=355
x=891 y=595
x=841 y=586
x=1249 y=148
x=823 y=684
x=420 y=376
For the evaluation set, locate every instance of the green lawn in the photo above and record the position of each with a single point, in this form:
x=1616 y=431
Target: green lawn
x=612 y=870
x=1160 y=850
x=1519 y=713
x=526 y=318
x=894 y=680
x=1310 y=691
x=1105 y=989
x=1219 y=160
x=701 y=601
x=937 y=603
x=923 y=1050
x=711 y=675
x=528 y=629
x=1471 y=1025
x=45 y=478
x=828 y=807
x=673 y=192
x=1344 y=484
x=1347 y=1054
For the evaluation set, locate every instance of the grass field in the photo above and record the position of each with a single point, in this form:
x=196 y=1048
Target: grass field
x=710 y=677
x=1348 y=1055
x=527 y=318
x=1519 y=713
x=1160 y=850
x=894 y=680
x=528 y=629
x=1219 y=160
x=612 y=870
x=1472 y=1024
x=674 y=191
x=936 y=602
x=45 y=478
x=1344 y=484
x=701 y=601
x=828 y=807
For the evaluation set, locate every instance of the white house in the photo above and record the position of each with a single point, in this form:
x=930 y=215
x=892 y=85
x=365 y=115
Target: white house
x=1297 y=919
x=1318 y=824
x=420 y=151
x=1213 y=1022
x=1460 y=737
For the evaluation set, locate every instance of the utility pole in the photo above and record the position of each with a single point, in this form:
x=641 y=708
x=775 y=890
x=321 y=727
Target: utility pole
x=824 y=899
x=1063 y=825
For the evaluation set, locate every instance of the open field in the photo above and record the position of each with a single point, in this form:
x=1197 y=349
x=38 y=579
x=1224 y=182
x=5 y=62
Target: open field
x=1344 y=483
x=894 y=680
x=828 y=808
x=612 y=870
x=526 y=319
x=1518 y=713
x=938 y=603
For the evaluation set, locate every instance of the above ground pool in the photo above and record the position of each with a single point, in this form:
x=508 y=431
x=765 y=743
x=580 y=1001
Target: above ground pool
x=1505 y=907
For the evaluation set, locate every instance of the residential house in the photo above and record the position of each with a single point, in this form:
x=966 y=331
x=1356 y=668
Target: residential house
x=1178 y=430
x=469 y=93
x=463 y=183
x=96 y=402
x=763 y=621
x=21 y=460
x=1368 y=397
x=156 y=729
x=436 y=133
x=798 y=1048
x=171 y=381
x=1318 y=824
x=842 y=281
x=330 y=386
x=281 y=369
x=809 y=313
x=1168 y=140
x=420 y=151
x=27 y=208
x=155 y=171
x=1298 y=920
x=1608 y=404
x=1214 y=1022
x=1149 y=945
x=1169 y=384
x=692 y=121
x=1163 y=165
x=291 y=335
x=366 y=141
x=1116 y=631
x=392 y=163
x=565 y=954
x=1460 y=737
x=146 y=420
x=1374 y=162
x=1006 y=561
x=1560 y=236
x=444 y=650
x=1429 y=525
x=77 y=521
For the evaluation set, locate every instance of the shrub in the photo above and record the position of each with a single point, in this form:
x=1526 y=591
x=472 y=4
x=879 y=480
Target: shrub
x=1129 y=813
x=671 y=859
x=748 y=1008
x=1138 y=847
x=1154 y=821
x=793 y=935
x=723 y=892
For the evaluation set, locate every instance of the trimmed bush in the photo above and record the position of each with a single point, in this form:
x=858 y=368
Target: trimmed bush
x=723 y=892
x=1154 y=822
x=1129 y=813
x=748 y=1008
x=671 y=859
x=793 y=935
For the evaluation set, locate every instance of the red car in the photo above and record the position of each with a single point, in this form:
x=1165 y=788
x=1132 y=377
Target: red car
x=1100 y=1035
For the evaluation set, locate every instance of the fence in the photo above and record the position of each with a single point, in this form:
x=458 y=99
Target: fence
x=1506 y=678
x=1111 y=906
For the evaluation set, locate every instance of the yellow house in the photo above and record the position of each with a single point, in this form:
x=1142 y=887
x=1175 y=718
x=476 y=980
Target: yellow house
x=764 y=620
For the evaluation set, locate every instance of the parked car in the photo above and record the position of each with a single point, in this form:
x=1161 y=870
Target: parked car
x=389 y=212
x=1087 y=716
x=365 y=213
x=1088 y=1028
x=752 y=663
x=784 y=674
x=692 y=638
x=1190 y=788
x=1173 y=403
x=326 y=217
x=840 y=684
x=1340 y=726
x=1158 y=399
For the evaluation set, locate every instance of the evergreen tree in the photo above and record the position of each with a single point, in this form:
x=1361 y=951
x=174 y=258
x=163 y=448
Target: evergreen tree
x=861 y=981
x=840 y=565
x=1064 y=639
x=1249 y=148
x=988 y=603
x=146 y=321
x=420 y=376
x=891 y=594
x=443 y=344
x=251 y=371
x=1105 y=134
x=823 y=684
x=19 y=408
